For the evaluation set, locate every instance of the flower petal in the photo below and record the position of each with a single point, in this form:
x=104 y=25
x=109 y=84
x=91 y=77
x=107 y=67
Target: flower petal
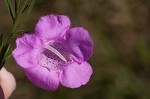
x=7 y=82
x=81 y=44
x=50 y=26
x=27 y=50
x=75 y=75
x=42 y=77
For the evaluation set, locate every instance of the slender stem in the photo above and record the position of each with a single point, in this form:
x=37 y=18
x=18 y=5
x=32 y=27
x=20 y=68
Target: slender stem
x=13 y=28
x=16 y=20
x=15 y=24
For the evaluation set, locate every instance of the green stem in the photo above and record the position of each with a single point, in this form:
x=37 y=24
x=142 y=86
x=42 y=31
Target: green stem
x=15 y=25
x=13 y=30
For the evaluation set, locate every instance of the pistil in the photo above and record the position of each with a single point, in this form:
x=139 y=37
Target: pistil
x=55 y=52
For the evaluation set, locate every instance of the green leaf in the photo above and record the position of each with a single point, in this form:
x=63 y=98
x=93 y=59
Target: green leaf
x=7 y=48
x=2 y=53
x=18 y=1
x=8 y=52
x=24 y=6
x=10 y=9
x=7 y=56
x=11 y=14
x=16 y=7
x=7 y=4
x=29 y=10
x=5 y=53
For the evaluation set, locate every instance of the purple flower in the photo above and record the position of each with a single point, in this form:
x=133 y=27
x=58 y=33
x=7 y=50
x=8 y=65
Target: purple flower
x=55 y=54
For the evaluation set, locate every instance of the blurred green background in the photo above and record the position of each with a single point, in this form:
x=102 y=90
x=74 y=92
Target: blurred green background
x=120 y=30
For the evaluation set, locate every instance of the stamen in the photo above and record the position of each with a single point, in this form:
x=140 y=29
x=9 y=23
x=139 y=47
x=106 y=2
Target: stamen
x=56 y=52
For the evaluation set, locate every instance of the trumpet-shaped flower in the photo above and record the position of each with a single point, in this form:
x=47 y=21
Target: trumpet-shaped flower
x=55 y=54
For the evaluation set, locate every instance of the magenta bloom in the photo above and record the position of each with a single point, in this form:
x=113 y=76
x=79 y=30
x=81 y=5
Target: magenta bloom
x=55 y=54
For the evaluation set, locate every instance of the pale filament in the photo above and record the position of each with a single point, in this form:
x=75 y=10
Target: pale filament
x=55 y=52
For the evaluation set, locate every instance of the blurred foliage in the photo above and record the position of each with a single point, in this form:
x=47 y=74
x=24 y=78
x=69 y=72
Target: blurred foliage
x=121 y=60
x=5 y=48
